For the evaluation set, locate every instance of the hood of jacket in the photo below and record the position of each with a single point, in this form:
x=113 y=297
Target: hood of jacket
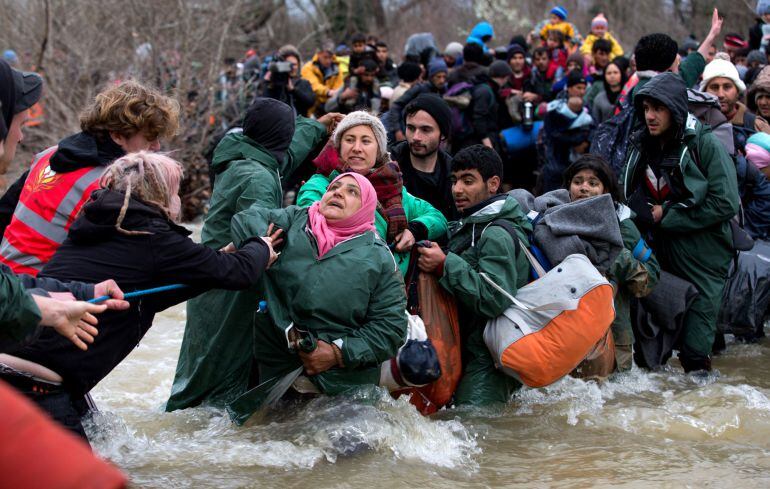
x=83 y=150
x=237 y=146
x=668 y=89
x=97 y=219
x=501 y=206
x=479 y=31
x=271 y=124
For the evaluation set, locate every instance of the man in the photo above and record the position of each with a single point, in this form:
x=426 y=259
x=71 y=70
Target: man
x=437 y=75
x=538 y=88
x=386 y=72
x=481 y=114
x=566 y=131
x=409 y=73
x=480 y=244
x=424 y=165
x=682 y=185
x=360 y=91
x=324 y=74
x=249 y=165
x=720 y=78
x=289 y=88
x=122 y=119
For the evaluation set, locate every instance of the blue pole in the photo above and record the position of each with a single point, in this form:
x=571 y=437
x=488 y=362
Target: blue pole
x=139 y=293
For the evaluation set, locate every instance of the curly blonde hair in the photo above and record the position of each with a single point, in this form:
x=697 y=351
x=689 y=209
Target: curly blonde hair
x=153 y=178
x=130 y=108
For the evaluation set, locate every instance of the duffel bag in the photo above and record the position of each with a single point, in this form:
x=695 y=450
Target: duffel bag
x=553 y=323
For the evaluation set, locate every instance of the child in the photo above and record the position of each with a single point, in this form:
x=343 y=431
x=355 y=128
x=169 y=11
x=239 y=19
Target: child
x=599 y=30
x=557 y=54
x=558 y=22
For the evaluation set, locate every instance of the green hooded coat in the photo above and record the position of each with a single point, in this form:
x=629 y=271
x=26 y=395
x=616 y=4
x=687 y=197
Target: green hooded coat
x=219 y=322
x=352 y=296
x=476 y=247
x=416 y=210
x=693 y=239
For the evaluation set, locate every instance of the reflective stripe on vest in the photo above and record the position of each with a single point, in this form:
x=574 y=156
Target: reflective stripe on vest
x=48 y=204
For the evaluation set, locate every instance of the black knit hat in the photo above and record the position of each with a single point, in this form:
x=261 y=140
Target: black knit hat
x=575 y=77
x=500 y=69
x=436 y=107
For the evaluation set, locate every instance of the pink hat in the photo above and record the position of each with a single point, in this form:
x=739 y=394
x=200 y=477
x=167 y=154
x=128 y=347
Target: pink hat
x=599 y=20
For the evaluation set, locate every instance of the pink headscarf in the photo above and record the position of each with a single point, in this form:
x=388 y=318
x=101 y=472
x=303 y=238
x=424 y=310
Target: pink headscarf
x=329 y=234
x=758 y=155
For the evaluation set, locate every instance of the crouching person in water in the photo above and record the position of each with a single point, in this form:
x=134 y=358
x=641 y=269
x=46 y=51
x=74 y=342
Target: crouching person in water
x=335 y=280
x=635 y=271
x=482 y=241
x=127 y=231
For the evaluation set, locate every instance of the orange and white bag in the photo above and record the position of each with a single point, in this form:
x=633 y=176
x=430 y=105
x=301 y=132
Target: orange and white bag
x=553 y=323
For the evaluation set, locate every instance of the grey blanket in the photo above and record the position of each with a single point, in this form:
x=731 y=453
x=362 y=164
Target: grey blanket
x=587 y=226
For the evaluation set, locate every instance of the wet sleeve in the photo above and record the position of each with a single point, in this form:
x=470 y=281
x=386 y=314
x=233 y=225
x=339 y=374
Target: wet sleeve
x=497 y=253
x=385 y=329
x=722 y=197
x=258 y=189
x=254 y=222
x=636 y=268
x=80 y=290
x=423 y=212
x=308 y=134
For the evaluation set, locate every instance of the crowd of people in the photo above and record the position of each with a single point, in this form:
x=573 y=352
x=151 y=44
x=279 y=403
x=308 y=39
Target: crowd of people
x=350 y=174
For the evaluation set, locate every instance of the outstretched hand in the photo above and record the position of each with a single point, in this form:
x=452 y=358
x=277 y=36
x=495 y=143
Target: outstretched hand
x=273 y=241
x=74 y=320
x=331 y=120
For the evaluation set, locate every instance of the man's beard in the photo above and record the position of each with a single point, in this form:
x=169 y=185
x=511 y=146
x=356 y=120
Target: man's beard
x=426 y=154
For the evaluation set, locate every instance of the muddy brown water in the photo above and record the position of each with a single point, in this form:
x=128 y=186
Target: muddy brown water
x=639 y=429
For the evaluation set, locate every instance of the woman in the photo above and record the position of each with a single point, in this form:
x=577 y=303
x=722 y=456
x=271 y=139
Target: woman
x=360 y=146
x=635 y=271
x=603 y=106
x=335 y=281
x=127 y=232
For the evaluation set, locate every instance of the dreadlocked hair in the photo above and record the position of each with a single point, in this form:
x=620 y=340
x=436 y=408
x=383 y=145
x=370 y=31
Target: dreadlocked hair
x=152 y=178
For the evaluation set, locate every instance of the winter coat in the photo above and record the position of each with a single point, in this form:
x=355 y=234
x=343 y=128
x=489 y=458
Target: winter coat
x=479 y=31
x=560 y=137
x=601 y=108
x=425 y=222
x=693 y=239
x=301 y=99
x=755 y=197
x=634 y=273
x=95 y=251
x=588 y=45
x=436 y=188
x=322 y=80
x=220 y=321
x=353 y=296
x=477 y=247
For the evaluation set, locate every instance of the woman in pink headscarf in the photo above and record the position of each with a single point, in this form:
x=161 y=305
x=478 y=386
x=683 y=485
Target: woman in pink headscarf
x=335 y=284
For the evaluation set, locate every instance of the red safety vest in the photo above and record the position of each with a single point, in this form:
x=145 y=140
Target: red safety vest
x=48 y=204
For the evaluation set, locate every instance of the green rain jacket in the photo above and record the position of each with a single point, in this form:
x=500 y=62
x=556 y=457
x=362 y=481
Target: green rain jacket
x=219 y=322
x=430 y=223
x=353 y=296
x=475 y=247
x=19 y=315
x=693 y=239
x=634 y=273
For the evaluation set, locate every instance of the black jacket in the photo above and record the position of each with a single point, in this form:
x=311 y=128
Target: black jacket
x=419 y=185
x=301 y=99
x=95 y=251
x=74 y=152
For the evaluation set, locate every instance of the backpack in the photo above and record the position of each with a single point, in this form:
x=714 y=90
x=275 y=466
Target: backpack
x=705 y=107
x=611 y=138
x=459 y=97
x=553 y=323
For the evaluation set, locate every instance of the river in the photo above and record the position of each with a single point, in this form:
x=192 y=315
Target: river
x=639 y=429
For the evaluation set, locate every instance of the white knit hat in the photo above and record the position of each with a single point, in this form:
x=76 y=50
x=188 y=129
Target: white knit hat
x=720 y=68
x=363 y=118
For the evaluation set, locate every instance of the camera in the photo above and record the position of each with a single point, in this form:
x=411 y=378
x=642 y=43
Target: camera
x=280 y=71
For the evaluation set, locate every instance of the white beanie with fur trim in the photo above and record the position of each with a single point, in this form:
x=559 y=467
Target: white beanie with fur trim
x=363 y=118
x=720 y=68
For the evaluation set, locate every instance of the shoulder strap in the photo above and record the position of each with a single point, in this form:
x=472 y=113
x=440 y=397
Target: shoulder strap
x=519 y=246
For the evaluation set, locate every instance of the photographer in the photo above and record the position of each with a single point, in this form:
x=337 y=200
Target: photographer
x=282 y=81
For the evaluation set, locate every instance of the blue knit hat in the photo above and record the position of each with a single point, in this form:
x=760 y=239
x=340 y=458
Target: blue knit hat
x=560 y=12
x=437 y=65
